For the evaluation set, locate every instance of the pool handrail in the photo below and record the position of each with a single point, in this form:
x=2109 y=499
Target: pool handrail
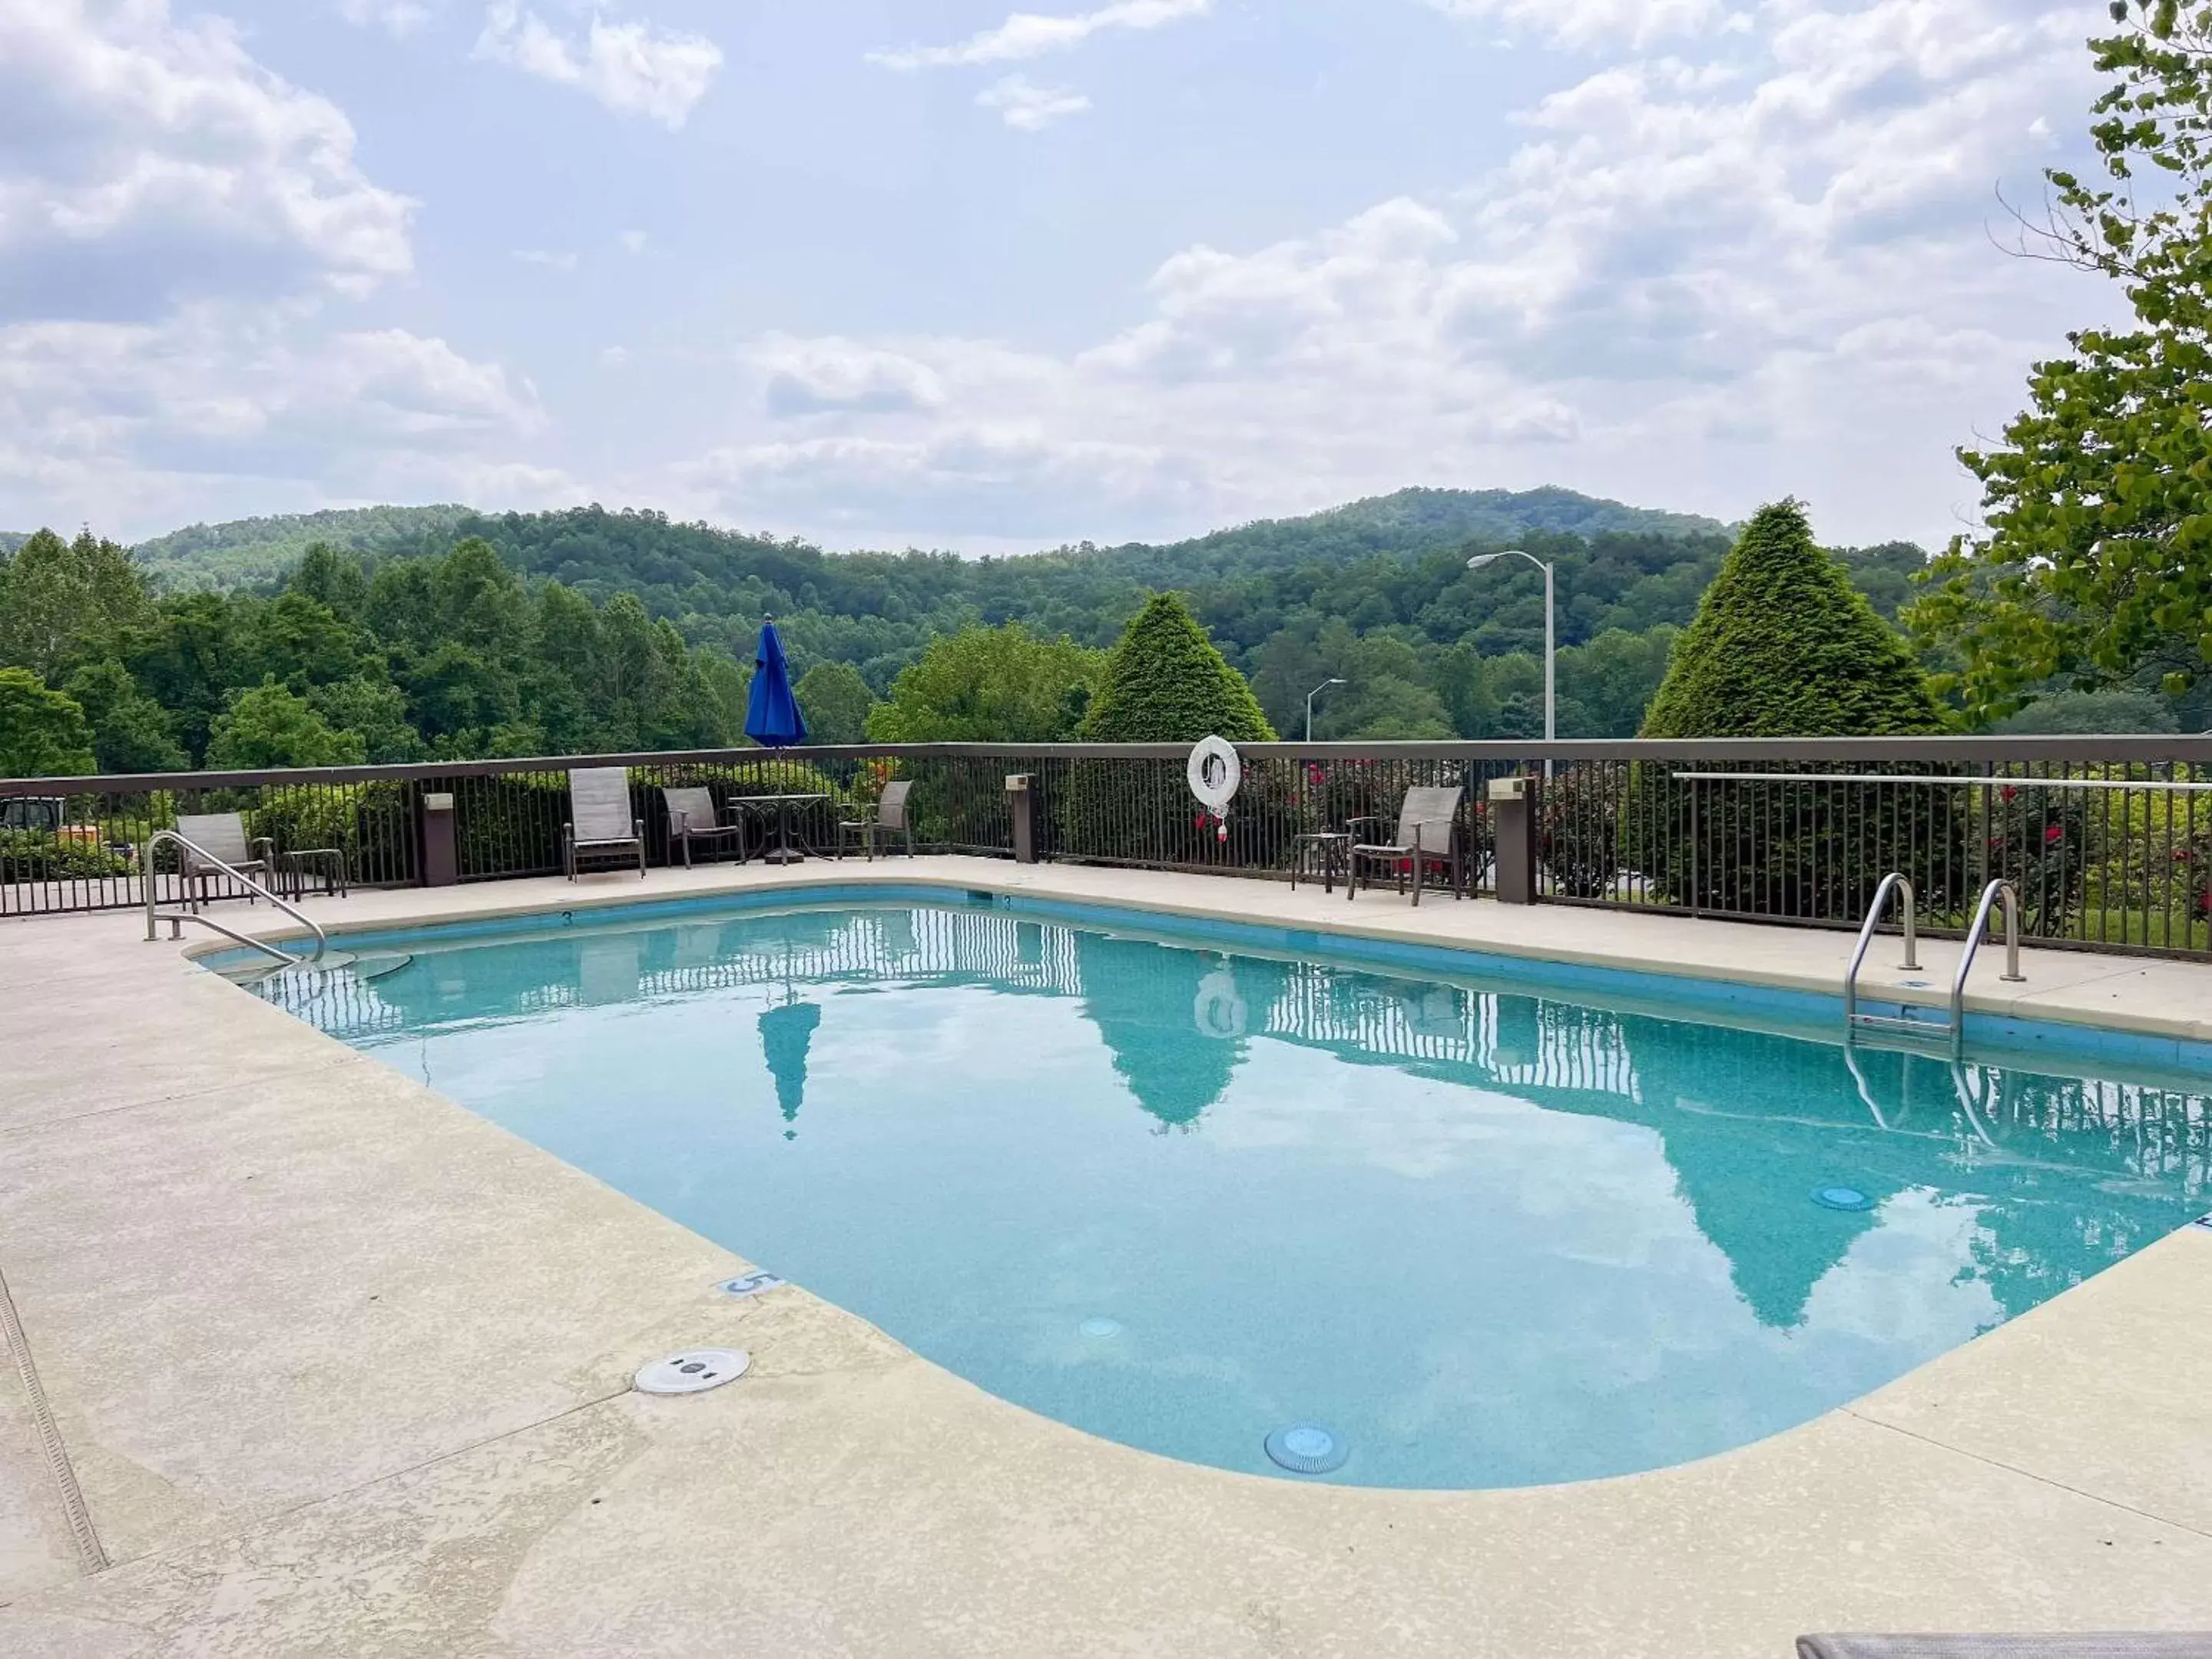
x=176 y=919
x=1895 y=882
x=1999 y=889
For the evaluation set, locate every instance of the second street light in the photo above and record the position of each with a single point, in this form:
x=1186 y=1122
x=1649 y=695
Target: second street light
x=1551 y=699
x=1310 y=695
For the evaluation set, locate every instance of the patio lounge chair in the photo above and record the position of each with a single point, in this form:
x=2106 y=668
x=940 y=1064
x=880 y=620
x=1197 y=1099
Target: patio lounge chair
x=220 y=837
x=2117 y=1644
x=1424 y=836
x=691 y=817
x=890 y=817
x=600 y=823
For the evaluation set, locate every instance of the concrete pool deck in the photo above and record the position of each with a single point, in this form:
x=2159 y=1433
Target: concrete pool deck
x=339 y=1367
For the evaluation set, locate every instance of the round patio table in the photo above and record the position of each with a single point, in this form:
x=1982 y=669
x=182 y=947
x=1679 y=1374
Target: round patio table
x=782 y=852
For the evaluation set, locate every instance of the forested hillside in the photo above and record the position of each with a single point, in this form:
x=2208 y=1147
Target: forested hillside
x=1375 y=592
x=393 y=634
x=251 y=551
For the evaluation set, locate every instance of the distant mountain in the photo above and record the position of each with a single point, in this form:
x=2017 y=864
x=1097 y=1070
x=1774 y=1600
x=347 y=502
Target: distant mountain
x=1417 y=520
x=12 y=540
x=247 y=551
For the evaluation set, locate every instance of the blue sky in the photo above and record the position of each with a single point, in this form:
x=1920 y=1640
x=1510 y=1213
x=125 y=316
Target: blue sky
x=944 y=274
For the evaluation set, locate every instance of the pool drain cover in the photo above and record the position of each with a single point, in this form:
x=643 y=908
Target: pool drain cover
x=1100 y=1327
x=1841 y=1198
x=1307 y=1448
x=748 y=1285
x=693 y=1371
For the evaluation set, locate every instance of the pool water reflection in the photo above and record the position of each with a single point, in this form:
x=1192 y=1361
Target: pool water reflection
x=1184 y=1200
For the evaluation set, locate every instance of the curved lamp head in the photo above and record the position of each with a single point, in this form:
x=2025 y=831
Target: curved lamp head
x=1482 y=559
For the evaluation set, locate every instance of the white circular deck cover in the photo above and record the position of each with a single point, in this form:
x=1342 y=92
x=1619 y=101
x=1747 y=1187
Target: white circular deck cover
x=694 y=1370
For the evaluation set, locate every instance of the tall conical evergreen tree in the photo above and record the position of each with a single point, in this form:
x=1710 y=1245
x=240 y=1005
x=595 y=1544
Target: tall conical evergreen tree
x=1165 y=682
x=1784 y=646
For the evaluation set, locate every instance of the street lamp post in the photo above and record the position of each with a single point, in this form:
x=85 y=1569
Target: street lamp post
x=1310 y=695
x=1550 y=639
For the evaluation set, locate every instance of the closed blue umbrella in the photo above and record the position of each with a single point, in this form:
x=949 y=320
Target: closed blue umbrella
x=772 y=716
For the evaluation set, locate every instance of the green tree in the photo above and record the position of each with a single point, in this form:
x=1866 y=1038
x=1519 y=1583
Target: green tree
x=269 y=727
x=1784 y=646
x=835 y=701
x=989 y=685
x=43 y=734
x=66 y=603
x=332 y=578
x=131 y=732
x=2091 y=712
x=1165 y=682
x=2096 y=568
x=188 y=664
x=369 y=707
x=1606 y=686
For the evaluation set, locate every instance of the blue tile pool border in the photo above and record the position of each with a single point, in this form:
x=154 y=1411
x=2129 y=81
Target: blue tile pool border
x=1815 y=1014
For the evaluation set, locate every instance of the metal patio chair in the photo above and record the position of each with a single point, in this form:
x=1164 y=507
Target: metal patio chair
x=891 y=817
x=1427 y=836
x=692 y=816
x=600 y=824
x=220 y=836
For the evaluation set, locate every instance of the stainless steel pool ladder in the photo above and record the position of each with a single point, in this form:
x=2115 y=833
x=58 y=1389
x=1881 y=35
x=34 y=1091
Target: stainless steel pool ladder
x=176 y=919
x=1895 y=882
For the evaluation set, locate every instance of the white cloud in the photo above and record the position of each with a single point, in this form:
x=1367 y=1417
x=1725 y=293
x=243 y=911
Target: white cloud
x=995 y=480
x=398 y=18
x=1029 y=107
x=127 y=423
x=148 y=159
x=634 y=68
x=1591 y=23
x=634 y=241
x=547 y=258
x=1774 y=253
x=809 y=377
x=183 y=234
x=1030 y=34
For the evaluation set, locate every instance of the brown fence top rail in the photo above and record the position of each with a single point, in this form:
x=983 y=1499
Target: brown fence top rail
x=1944 y=780
x=2136 y=749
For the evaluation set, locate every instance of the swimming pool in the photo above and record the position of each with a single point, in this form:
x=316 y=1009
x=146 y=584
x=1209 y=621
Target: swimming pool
x=1184 y=1187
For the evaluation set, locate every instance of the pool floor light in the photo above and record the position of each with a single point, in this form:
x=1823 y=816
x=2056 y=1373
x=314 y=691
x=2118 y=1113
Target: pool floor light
x=1841 y=1198
x=1101 y=1327
x=1307 y=1448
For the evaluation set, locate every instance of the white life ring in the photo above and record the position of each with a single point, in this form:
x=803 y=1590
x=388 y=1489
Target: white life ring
x=1220 y=1012
x=1215 y=772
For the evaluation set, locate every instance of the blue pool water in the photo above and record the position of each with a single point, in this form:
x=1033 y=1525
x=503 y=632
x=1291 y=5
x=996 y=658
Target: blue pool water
x=1188 y=1199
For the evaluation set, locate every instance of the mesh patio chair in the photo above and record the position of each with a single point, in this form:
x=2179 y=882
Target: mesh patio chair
x=1425 y=837
x=219 y=839
x=600 y=824
x=890 y=817
x=691 y=817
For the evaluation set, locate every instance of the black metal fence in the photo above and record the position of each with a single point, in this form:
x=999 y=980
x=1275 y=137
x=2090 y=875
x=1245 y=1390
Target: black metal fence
x=2108 y=839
